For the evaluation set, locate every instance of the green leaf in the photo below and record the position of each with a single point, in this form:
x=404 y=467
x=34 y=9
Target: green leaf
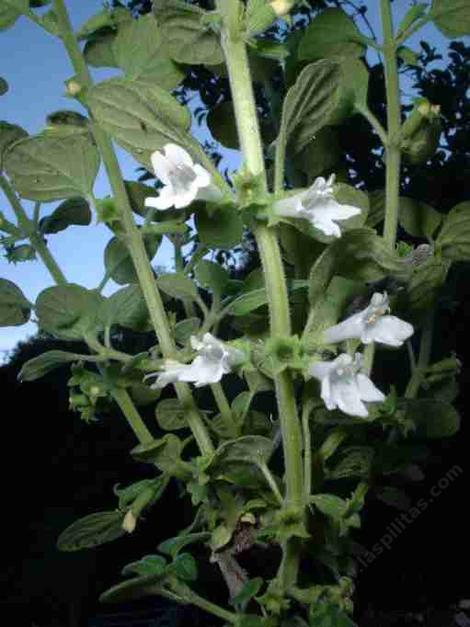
x=185 y=567
x=99 y=51
x=118 y=262
x=68 y=311
x=221 y=123
x=320 y=156
x=331 y=34
x=187 y=34
x=425 y=283
x=165 y=453
x=3 y=86
x=9 y=134
x=433 y=419
x=10 y=12
x=376 y=207
x=185 y=328
x=71 y=211
x=418 y=218
x=414 y=13
x=353 y=84
x=250 y=449
x=308 y=104
x=212 y=276
x=328 y=615
x=454 y=237
x=138 y=50
x=147 y=565
x=178 y=285
x=92 y=530
x=249 y=590
x=356 y=461
x=104 y=19
x=15 y=308
x=142 y=118
x=221 y=228
x=136 y=588
x=171 y=415
x=53 y=166
x=173 y=546
x=452 y=17
x=39 y=366
x=137 y=193
x=408 y=56
x=248 y=302
x=126 y=308
x=330 y=505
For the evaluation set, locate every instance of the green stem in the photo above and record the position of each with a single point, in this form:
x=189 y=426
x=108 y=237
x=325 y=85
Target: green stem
x=124 y=401
x=250 y=141
x=223 y=406
x=392 y=153
x=374 y=122
x=424 y=357
x=307 y=408
x=185 y=593
x=272 y=483
x=134 y=240
x=30 y=231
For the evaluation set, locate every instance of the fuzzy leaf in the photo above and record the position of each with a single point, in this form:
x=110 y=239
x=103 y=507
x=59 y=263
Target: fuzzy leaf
x=138 y=50
x=126 y=308
x=331 y=34
x=42 y=364
x=53 y=166
x=178 y=285
x=118 y=262
x=454 y=237
x=15 y=308
x=171 y=415
x=92 y=530
x=73 y=211
x=433 y=419
x=452 y=17
x=309 y=103
x=142 y=118
x=187 y=34
x=9 y=133
x=222 y=228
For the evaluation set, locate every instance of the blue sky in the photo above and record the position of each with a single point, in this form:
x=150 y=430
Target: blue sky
x=35 y=67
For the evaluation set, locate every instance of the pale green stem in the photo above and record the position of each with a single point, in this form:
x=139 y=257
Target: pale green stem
x=374 y=122
x=413 y=29
x=272 y=483
x=186 y=594
x=30 y=231
x=124 y=401
x=223 y=406
x=134 y=240
x=392 y=152
x=424 y=357
x=306 y=410
x=250 y=141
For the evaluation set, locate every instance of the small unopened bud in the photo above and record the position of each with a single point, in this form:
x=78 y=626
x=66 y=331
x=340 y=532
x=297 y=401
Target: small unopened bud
x=73 y=88
x=282 y=7
x=130 y=521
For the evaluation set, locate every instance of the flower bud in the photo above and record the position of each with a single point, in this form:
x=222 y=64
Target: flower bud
x=130 y=521
x=421 y=132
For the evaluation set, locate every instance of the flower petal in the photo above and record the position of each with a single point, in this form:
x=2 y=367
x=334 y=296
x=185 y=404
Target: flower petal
x=387 y=330
x=203 y=177
x=347 y=398
x=161 y=166
x=369 y=393
x=321 y=369
x=350 y=328
x=178 y=155
x=165 y=199
x=186 y=197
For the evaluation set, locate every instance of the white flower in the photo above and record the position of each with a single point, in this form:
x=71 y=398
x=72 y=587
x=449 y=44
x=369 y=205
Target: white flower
x=183 y=181
x=372 y=325
x=214 y=359
x=317 y=205
x=343 y=386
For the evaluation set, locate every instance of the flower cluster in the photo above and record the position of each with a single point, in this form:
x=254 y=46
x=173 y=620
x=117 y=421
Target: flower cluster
x=343 y=385
x=214 y=359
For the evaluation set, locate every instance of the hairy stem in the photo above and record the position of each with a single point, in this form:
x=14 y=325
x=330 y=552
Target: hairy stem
x=392 y=152
x=126 y=405
x=424 y=357
x=134 y=240
x=29 y=229
x=250 y=141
